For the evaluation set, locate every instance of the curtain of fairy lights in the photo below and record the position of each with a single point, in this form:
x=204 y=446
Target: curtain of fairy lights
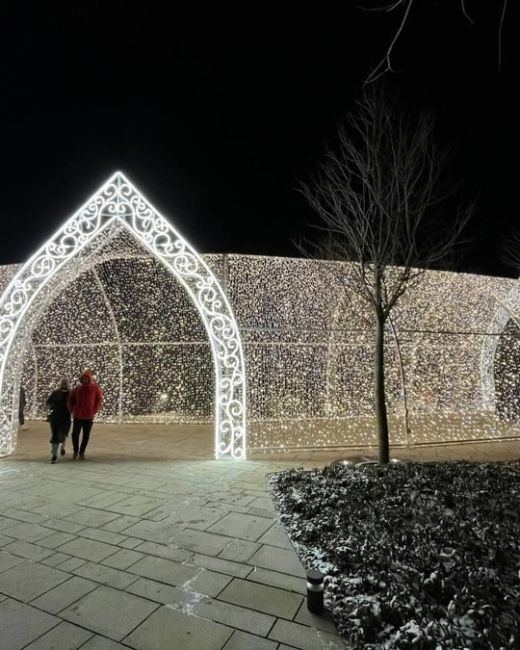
x=452 y=362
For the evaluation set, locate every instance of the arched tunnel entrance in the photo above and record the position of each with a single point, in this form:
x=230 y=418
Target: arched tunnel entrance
x=153 y=364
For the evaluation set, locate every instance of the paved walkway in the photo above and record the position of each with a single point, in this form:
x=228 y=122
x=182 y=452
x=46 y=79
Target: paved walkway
x=143 y=546
x=148 y=554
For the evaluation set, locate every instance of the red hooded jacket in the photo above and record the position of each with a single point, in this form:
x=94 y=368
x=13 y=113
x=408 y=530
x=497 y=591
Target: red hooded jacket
x=86 y=399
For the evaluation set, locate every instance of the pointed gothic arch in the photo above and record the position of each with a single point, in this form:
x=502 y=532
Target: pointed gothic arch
x=119 y=203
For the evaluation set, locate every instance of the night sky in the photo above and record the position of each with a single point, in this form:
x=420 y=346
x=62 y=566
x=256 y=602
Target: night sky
x=216 y=114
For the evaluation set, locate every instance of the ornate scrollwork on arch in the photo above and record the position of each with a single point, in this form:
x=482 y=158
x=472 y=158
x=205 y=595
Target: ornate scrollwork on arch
x=119 y=201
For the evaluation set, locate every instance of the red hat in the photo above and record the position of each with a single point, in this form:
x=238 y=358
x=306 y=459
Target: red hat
x=87 y=374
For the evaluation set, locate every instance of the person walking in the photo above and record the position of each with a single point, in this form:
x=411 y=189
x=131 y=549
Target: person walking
x=59 y=418
x=84 y=402
x=21 y=408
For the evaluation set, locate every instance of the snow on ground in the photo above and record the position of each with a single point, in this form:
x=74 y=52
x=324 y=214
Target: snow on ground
x=418 y=555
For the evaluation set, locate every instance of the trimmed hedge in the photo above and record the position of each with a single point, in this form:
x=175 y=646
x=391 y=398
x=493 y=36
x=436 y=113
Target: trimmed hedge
x=422 y=556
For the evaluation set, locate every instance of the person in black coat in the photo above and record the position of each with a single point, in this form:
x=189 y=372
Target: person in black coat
x=22 y=403
x=59 y=418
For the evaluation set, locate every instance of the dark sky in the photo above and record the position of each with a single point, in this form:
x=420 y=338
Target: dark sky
x=216 y=113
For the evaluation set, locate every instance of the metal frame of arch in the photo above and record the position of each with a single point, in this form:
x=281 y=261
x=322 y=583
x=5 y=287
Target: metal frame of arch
x=119 y=203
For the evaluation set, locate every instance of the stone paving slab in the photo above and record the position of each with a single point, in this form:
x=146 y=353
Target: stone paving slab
x=168 y=628
x=240 y=525
x=207 y=582
x=110 y=612
x=151 y=531
x=278 y=559
x=130 y=542
x=48 y=509
x=56 y=560
x=26 y=581
x=123 y=559
x=227 y=507
x=27 y=550
x=88 y=549
x=21 y=624
x=233 y=499
x=102 y=643
x=55 y=539
x=239 y=550
x=276 y=579
x=91 y=517
x=262 y=598
x=244 y=641
x=103 y=500
x=135 y=505
x=201 y=542
x=8 y=560
x=26 y=532
x=7 y=522
x=5 y=540
x=24 y=515
x=228 y=567
x=168 y=552
x=276 y=536
x=105 y=575
x=64 y=526
x=303 y=637
x=120 y=523
x=155 y=568
x=194 y=515
x=205 y=607
x=262 y=502
x=62 y=637
x=71 y=563
x=102 y=536
x=56 y=599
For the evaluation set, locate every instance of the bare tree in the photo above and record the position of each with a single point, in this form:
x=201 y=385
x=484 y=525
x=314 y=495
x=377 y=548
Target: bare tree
x=377 y=192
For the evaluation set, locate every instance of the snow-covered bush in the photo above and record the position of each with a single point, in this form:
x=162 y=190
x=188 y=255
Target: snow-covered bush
x=417 y=555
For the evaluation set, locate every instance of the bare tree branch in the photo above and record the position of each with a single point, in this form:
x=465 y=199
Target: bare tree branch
x=380 y=70
x=385 y=64
x=500 y=28
x=466 y=15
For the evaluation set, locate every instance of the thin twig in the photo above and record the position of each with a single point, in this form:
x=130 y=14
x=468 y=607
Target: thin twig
x=376 y=72
x=466 y=15
x=385 y=64
x=504 y=7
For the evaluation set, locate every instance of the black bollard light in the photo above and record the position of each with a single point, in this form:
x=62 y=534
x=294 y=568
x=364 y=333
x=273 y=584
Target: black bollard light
x=315 y=591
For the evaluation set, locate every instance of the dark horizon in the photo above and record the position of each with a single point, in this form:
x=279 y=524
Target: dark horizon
x=216 y=117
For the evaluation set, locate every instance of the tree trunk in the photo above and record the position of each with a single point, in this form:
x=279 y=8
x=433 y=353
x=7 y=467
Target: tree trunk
x=381 y=416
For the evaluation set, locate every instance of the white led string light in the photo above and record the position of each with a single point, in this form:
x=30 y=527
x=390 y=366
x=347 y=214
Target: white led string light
x=307 y=341
x=38 y=282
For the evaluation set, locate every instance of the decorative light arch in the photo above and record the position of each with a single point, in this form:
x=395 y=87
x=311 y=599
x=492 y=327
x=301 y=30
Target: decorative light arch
x=119 y=203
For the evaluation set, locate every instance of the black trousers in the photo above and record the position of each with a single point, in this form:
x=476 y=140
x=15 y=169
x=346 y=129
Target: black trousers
x=86 y=425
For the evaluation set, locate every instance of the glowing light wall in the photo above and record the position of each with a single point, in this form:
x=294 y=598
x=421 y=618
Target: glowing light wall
x=307 y=344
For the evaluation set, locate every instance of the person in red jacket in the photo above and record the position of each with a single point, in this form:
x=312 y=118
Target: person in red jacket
x=84 y=402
